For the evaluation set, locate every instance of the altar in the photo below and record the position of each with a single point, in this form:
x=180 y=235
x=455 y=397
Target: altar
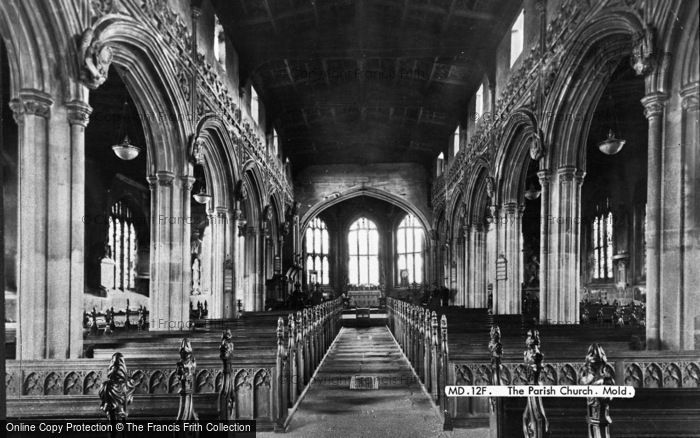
x=365 y=298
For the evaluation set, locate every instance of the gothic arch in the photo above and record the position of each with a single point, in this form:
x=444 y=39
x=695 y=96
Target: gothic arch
x=35 y=41
x=514 y=155
x=476 y=197
x=584 y=73
x=220 y=161
x=255 y=194
x=456 y=213
x=152 y=84
x=367 y=191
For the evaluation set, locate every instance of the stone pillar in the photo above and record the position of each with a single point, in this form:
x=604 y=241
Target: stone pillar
x=499 y=286
x=565 y=281
x=239 y=264
x=217 y=223
x=490 y=259
x=690 y=237
x=479 y=266
x=31 y=112
x=250 y=303
x=544 y=177
x=161 y=185
x=78 y=115
x=229 y=305
x=509 y=299
x=653 y=110
x=180 y=252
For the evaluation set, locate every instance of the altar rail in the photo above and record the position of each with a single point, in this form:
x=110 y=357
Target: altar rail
x=264 y=390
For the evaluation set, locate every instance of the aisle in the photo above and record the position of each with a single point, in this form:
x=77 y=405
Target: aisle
x=400 y=407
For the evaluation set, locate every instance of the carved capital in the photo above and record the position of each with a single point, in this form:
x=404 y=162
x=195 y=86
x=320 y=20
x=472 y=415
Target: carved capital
x=31 y=102
x=689 y=97
x=221 y=211
x=165 y=178
x=566 y=173
x=78 y=113
x=654 y=104
x=545 y=177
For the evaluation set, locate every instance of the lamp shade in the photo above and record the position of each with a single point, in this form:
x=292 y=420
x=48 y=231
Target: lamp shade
x=611 y=145
x=125 y=150
x=202 y=196
x=532 y=193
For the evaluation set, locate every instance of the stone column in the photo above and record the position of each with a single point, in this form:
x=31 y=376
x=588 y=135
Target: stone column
x=490 y=259
x=239 y=265
x=78 y=116
x=653 y=110
x=161 y=185
x=566 y=281
x=499 y=286
x=229 y=304
x=479 y=267
x=250 y=303
x=544 y=177
x=180 y=253
x=31 y=112
x=690 y=323
x=510 y=299
x=218 y=223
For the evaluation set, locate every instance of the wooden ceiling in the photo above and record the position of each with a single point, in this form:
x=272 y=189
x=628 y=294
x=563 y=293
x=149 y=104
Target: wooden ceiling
x=363 y=81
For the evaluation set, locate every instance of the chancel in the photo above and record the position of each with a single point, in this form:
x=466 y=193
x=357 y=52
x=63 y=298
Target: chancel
x=319 y=215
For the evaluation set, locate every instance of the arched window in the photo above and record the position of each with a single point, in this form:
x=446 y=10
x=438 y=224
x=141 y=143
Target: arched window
x=363 y=250
x=219 y=43
x=517 y=37
x=317 y=247
x=479 y=103
x=602 y=245
x=409 y=251
x=455 y=142
x=122 y=246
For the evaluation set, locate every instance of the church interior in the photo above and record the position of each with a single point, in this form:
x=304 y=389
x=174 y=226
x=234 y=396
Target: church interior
x=342 y=208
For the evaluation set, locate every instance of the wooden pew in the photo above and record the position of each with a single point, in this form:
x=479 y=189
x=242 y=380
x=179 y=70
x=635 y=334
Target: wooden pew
x=268 y=372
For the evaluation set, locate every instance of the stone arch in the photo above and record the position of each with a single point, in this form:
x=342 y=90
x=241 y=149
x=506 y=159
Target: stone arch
x=519 y=132
x=255 y=202
x=476 y=198
x=407 y=206
x=153 y=86
x=584 y=73
x=35 y=36
x=217 y=147
x=455 y=212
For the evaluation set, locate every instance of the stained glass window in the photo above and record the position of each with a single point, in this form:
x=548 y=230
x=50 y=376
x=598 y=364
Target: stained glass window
x=363 y=250
x=409 y=250
x=317 y=250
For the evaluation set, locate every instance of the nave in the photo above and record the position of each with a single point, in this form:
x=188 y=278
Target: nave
x=510 y=188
